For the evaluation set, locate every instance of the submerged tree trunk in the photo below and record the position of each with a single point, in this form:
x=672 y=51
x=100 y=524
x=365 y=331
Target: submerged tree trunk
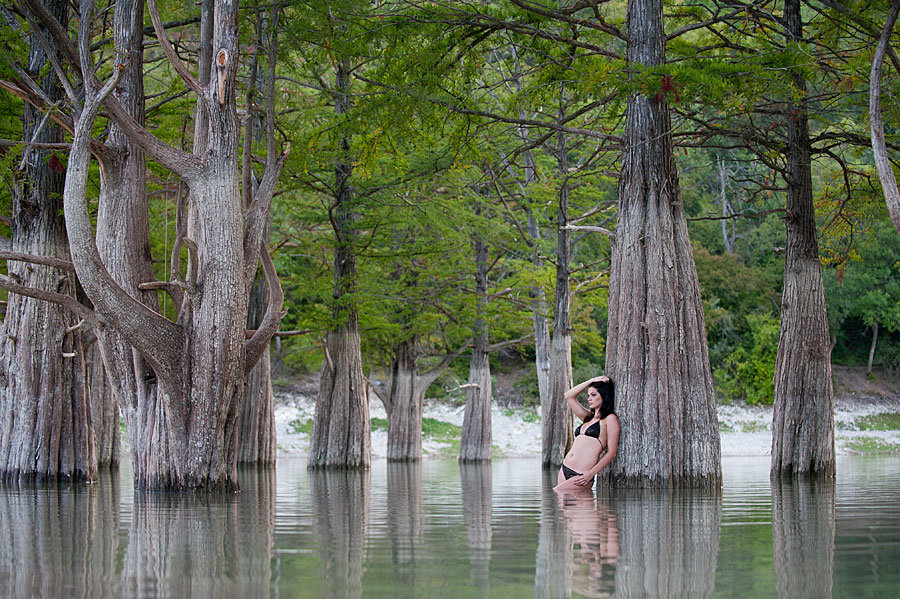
x=656 y=351
x=475 y=443
x=557 y=417
x=341 y=430
x=104 y=410
x=45 y=416
x=404 y=402
x=256 y=424
x=803 y=415
x=123 y=239
x=183 y=433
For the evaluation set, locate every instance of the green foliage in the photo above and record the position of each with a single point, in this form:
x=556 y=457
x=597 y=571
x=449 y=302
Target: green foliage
x=301 y=427
x=878 y=422
x=748 y=373
x=869 y=445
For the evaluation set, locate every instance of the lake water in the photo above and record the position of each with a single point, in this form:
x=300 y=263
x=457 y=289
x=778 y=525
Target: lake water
x=438 y=529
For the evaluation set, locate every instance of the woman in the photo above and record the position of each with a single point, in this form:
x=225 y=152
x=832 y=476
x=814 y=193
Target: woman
x=599 y=430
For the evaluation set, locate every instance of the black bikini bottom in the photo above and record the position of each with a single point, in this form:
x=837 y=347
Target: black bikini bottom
x=568 y=472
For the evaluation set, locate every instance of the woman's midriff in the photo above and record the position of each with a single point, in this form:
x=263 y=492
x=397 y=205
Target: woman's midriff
x=584 y=454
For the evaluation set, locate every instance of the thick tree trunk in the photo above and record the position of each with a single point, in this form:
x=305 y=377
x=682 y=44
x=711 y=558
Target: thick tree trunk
x=803 y=415
x=803 y=537
x=476 y=483
x=668 y=542
x=556 y=430
x=872 y=348
x=656 y=351
x=475 y=443
x=45 y=414
x=340 y=503
x=256 y=425
x=404 y=403
x=341 y=434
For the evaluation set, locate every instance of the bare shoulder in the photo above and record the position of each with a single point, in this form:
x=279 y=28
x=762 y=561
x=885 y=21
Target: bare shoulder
x=612 y=420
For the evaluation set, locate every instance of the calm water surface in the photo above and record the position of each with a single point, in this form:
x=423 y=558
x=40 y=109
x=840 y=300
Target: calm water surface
x=438 y=529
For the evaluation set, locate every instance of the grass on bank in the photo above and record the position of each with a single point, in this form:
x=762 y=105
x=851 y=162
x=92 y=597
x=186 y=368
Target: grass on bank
x=871 y=446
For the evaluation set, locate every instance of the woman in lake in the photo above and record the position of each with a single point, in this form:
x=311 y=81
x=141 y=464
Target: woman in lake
x=599 y=430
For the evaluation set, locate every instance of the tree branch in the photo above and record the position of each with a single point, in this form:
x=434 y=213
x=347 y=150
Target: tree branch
x=885 y=170
x=256 y=345
x=167 y=49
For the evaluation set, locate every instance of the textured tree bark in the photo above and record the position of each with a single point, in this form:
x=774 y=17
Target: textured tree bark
x=668 y=542
x=879 y=148
x=123 y=239
x=256 y=425
x=803 y=537
x=59 y=541
x=475 y=443
x=46 y=428
x=183 y=434
x=656 y=350
x=476 y=483
x=404 y=403
x=340 y=503
x=556 y=431
x=104 y=410
x=341 y=434
x=803 y=415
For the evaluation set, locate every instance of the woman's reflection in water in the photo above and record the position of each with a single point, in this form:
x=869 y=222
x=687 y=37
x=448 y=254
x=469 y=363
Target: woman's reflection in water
x=593 y=530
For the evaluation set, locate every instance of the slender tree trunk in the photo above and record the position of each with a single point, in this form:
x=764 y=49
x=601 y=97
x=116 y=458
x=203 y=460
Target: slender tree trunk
x=872 y=349
x=475 y=444
x=123 y=239
x=803 y=529
x=879 y=148
x=46 y=430
x=256 y=425
x=104 y=410
x=556 y=431
x=656 y=350
x=803 y=415
x=542 y=343
x=341 y=429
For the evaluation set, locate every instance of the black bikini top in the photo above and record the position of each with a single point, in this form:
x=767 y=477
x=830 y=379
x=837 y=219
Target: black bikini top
x=591 y=431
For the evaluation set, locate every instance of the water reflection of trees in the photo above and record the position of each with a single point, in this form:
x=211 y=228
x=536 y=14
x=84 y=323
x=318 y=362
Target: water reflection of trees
x=803 y=536
x=340 y=504
x=669 y=541
x=476 y=482
x=219 y=545
x=405 y=516
x=58 y=542
x=554 y=552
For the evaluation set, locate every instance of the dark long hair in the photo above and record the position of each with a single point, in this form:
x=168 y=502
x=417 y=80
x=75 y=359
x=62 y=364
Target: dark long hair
x=607 y=391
